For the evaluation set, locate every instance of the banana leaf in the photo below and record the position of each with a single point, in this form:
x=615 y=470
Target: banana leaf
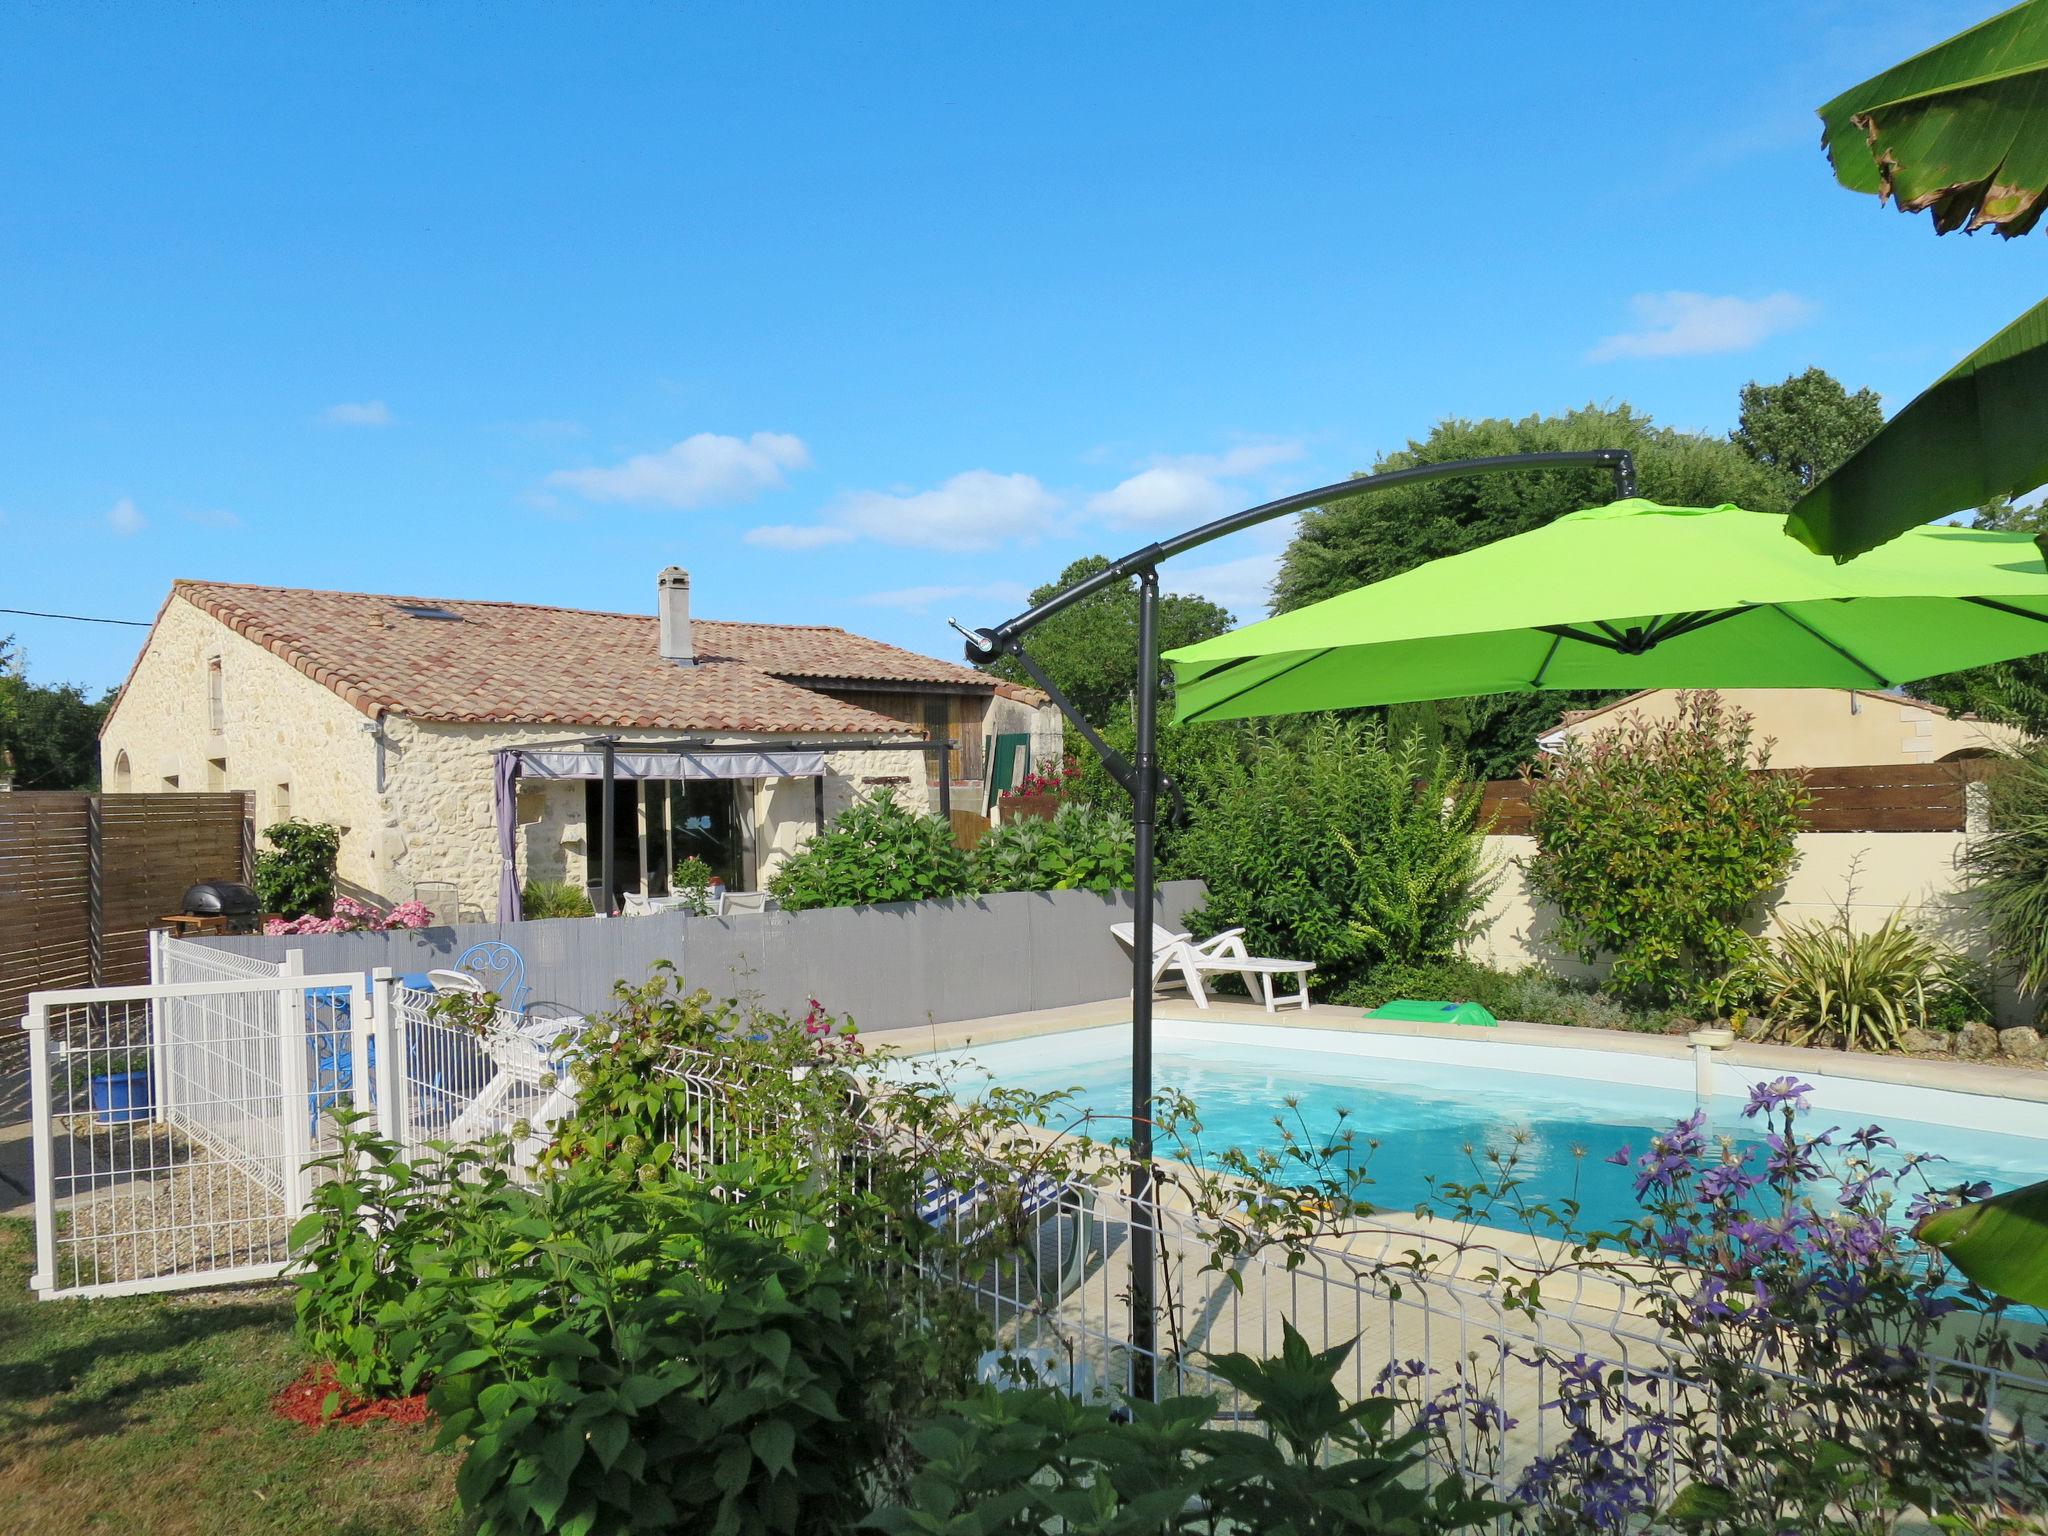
x=1979 y=431
x=2001 y=1243
x=1960 y=131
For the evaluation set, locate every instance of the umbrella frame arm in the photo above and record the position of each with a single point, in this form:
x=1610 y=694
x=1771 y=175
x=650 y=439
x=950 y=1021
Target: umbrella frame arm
x=1143 y=781
x=987 y=645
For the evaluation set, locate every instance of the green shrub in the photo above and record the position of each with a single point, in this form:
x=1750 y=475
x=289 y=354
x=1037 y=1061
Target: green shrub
x=553 y=898
x=1080 y=848
x=1655 y=841
x=1531 y=995
x=655 y=1356
x=1023 y=1462
x=1328 y=843
x=691 y=879
x=1967 y=999
x=1826 y=983
x=295 y=874
x=360 y=1300
x=877 y=850
x=2008 y=868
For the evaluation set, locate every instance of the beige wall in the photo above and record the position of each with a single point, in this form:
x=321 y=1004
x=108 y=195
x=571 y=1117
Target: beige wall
x=1872 y=873
x=279 y=727
x=1828 y=727
x=1044 y=723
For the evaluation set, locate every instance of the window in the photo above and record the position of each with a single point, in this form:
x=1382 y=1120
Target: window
x=216 y=697
x=281 y=803
x=429 y=611
x=122 y=774
x=170 y=781
x=216 y=773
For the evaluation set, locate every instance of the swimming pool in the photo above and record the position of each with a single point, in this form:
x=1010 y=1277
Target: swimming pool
x=1437 y=1106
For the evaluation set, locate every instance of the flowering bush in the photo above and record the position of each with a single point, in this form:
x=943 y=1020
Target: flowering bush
x=352 y=916
x=1050 y=777
x=1656 y=841
x=1804 y=1388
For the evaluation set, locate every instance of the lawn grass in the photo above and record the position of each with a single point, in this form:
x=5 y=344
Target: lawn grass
x=152 y=1415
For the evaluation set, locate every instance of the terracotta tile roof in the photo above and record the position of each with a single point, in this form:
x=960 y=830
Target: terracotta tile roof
x=525 y=663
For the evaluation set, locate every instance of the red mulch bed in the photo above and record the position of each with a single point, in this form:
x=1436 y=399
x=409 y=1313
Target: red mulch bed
x=301 y=1403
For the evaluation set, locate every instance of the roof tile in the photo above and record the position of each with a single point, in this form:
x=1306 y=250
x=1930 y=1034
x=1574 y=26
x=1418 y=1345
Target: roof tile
x=530 y=664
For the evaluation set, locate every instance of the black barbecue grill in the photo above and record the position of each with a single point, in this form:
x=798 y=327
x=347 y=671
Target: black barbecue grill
x=237 y=905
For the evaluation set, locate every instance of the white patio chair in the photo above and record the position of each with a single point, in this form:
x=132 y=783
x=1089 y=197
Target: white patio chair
x=1222 y=954
x=523 y=1049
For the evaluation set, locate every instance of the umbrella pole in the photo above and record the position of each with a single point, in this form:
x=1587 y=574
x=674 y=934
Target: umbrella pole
x=1144 y=811
x=1142 y=780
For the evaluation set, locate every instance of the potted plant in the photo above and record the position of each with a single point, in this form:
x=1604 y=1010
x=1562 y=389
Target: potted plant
x=125 y=1093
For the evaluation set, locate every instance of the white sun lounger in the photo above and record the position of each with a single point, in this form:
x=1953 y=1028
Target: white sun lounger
x=1220 y=955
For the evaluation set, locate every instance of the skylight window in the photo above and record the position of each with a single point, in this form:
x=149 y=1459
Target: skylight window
x=429 y=611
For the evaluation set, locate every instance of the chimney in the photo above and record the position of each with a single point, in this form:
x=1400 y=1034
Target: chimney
x=673 y=603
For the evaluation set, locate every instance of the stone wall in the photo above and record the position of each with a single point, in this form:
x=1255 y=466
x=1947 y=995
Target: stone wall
x=284 y=738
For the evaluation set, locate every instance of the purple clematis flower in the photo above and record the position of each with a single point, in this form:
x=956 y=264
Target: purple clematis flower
x=1778 y=1092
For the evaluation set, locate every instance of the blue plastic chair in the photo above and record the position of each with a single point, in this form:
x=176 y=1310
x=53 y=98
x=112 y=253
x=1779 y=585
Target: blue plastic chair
x=500 y=968
x=332 y=1069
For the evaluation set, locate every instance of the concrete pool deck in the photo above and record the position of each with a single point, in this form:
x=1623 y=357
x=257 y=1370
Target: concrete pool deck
x=2024 y=1084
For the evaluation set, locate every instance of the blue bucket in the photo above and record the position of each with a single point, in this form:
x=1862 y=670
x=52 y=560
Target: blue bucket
x=122 y=1098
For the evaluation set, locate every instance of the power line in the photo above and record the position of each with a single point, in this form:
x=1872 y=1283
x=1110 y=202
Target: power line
x=76 y=618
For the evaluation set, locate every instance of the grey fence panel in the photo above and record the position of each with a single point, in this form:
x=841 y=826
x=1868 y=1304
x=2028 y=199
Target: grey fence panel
x=888 y=967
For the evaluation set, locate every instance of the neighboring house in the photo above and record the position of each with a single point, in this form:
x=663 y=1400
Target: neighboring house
x=391 y=716
x=1816 y=727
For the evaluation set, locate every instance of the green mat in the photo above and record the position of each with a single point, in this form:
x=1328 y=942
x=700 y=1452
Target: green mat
x=1409 y=1010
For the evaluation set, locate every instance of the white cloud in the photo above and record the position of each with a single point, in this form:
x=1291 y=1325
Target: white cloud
x=1190 y=488
x=704 y=468
x=126 y=519
x=919 y=599
x=1244 y=585
x=217 y=517
x=358 y=413
x=797 y=535
x=1698 y=324
x=974 y=511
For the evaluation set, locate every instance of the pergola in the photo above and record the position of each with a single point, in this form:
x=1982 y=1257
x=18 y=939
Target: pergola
x=608 y=759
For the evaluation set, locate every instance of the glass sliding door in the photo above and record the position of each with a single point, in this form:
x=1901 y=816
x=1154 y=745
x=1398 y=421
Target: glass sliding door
x=657 y=823
x=704 y=823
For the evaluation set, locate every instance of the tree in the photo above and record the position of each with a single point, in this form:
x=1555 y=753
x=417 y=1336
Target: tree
x=52 y=731
x=1368 y=538
x=1806 y=425
x=1091 y=650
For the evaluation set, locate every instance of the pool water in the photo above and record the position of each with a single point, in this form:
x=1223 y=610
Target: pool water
x=1436 y=1120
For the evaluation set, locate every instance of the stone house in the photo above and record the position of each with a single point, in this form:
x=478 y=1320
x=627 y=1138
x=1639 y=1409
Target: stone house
x=407 y=722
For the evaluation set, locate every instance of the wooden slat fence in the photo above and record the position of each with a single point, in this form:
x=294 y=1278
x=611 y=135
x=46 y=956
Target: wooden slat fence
x=1887 y=797
x=84 y=877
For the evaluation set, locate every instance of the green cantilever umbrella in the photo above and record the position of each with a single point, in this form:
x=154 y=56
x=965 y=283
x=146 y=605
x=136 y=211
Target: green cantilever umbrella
x=1635 y=595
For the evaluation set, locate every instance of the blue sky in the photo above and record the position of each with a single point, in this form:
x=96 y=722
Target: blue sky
x=872 y=314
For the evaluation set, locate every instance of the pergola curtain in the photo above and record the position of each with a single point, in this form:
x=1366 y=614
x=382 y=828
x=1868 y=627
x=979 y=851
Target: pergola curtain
x=575 y=763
